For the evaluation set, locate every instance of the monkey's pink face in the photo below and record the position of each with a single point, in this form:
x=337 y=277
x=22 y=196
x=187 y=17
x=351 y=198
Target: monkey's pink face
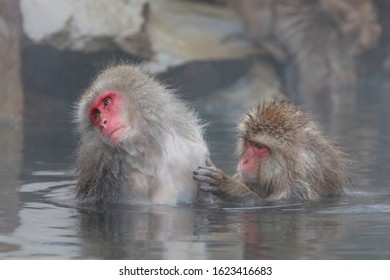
x=250 y=162
x=106 y=115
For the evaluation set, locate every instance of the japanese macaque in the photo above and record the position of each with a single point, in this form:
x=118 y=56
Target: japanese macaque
x=283 y=156
x=139 y=142
x=316 y=42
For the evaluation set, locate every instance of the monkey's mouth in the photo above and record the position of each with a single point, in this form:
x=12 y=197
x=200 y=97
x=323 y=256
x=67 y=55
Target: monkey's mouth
x=117 y=134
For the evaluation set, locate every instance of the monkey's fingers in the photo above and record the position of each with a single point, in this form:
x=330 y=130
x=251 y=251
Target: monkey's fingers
x=208 y=188
x=208 y=170
x=212 y=173
x=204 y=179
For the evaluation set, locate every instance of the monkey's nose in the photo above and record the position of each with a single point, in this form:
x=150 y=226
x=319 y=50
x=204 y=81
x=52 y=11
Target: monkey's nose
x=103 y=123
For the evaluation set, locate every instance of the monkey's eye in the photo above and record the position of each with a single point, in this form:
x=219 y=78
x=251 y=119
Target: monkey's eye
x=106 y=101
x=256 y=145
x=96 y=114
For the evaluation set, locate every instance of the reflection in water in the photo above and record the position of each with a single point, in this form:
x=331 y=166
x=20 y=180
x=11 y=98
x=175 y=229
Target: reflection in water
x=11 y=138
x=53 y=228
x=143 y=233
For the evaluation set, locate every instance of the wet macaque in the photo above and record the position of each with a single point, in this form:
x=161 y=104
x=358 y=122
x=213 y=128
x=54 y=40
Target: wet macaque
x=317 y=42
x=139 y=143
x=283 y=156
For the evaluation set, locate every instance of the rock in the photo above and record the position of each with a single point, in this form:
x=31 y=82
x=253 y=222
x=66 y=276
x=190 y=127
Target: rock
x=183 y=31
x=11 y=104
x=87 y=26
x=166 y=32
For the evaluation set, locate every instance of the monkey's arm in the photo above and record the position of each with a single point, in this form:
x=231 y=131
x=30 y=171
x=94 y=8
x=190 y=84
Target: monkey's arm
x=215 y=181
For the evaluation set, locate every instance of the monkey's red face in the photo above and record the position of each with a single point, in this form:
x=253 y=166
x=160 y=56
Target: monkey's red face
x=249 y=164
x=106 y=115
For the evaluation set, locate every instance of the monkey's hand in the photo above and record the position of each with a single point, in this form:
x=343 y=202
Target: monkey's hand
x=215 y=181
x=211 y=179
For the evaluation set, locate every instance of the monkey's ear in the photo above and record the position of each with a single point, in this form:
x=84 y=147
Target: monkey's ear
x=346 y=16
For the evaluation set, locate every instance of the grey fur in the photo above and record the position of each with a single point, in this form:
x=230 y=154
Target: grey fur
x=131 y=171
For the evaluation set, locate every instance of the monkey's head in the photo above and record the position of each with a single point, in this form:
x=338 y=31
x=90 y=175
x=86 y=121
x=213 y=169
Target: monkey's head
x=119 y=105
x=270 y=138
x=107 y=114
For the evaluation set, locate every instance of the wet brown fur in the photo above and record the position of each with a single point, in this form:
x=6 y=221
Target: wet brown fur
x=303 y=163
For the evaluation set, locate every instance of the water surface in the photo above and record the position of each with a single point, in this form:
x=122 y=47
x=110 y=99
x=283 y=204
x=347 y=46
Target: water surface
x=38 y=220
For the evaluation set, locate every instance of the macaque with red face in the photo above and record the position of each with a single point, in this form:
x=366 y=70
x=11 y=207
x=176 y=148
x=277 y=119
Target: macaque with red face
x=139 y=143
x=283 y=156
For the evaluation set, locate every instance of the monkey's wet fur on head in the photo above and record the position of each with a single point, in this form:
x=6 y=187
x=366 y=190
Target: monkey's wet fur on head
x=139 y=143
x=283 y=155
